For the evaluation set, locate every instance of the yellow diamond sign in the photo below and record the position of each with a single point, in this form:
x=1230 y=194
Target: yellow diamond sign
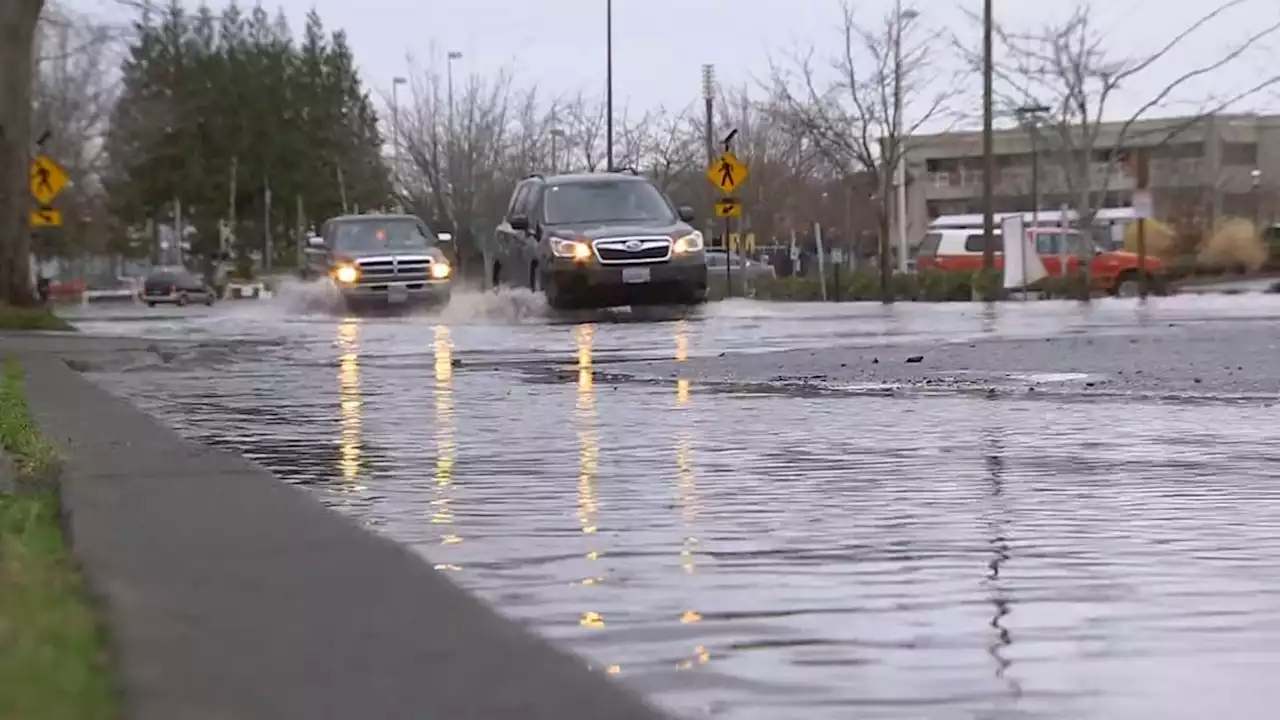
x=727 y=173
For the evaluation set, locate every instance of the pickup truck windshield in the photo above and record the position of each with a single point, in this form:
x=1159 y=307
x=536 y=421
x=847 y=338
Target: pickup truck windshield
x=374 y=235
x=600 y=202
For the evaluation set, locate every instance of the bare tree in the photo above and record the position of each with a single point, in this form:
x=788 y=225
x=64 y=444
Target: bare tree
x=72 y=100
x=460 y=161
x=672 y=148
x=18 y=29
x=885 y=88
x=1065 y=68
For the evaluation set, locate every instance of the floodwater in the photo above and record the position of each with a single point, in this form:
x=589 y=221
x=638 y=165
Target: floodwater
x=766 y=557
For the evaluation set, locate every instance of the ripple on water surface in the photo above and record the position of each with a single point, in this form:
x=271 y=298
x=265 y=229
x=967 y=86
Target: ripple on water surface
x=773 y=557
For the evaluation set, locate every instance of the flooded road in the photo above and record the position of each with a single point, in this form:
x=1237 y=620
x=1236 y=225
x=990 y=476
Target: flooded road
x=773 y=555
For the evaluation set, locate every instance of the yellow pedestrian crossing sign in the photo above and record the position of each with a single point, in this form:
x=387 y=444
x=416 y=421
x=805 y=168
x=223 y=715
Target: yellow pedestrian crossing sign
x=727 y=173
x=45 y=217
x=47 y=179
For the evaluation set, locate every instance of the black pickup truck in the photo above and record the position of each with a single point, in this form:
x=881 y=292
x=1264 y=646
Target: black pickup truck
x=598 y=240
x=379 y=260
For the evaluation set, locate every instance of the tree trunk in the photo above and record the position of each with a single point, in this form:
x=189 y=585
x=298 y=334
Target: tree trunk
x=17 y=37
x=886 y=244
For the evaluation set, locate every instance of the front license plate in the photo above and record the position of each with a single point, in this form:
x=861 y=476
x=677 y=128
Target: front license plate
x=635 y=275
x=397 y=294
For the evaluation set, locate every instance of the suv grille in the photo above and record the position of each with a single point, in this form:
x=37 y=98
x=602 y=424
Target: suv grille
x=618 y=251
x=394 y=269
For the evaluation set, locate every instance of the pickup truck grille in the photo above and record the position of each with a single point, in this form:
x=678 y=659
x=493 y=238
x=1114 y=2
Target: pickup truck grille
x=633 y=250
x=402 y=268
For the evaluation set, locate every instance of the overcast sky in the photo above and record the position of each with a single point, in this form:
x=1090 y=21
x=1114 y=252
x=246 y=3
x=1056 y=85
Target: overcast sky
x=660 y=45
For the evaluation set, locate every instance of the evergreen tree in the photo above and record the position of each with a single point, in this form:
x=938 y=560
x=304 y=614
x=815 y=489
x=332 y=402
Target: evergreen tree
x=205 y=95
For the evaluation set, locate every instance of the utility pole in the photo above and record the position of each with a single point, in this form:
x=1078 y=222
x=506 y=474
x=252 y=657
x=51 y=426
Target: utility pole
x=223 y=246
x=177 y=233
x=342 y=185
x=988 y=145
x=900 y=19
x=396 y=82
x=453 y=55
x=709 y=99
x=608 y=44
x=300 y=231
x=266 y=223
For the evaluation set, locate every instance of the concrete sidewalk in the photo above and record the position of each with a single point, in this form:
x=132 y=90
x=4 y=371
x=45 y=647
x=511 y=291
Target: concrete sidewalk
x=233 y=596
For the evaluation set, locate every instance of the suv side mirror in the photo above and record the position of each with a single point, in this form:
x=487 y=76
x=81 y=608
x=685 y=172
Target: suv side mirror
x=520 y=222
x=686 y=214
x=315 y=242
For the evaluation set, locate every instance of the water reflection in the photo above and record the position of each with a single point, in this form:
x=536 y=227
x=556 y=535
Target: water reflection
x=588 y=459
x=350 y=405
x=1000 y=554
x=686 y=490
x=446 y=446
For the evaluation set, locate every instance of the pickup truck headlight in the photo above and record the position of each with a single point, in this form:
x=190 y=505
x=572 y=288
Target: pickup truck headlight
x=576 y=249
x=346 y=274
x=689 y=243
x=440 y=270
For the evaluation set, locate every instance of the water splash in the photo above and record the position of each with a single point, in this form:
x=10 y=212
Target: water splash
x=294 y=296
x=505 y=306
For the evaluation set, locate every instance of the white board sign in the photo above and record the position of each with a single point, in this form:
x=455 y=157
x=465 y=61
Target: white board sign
x=1143 y=204
x=1022 y=264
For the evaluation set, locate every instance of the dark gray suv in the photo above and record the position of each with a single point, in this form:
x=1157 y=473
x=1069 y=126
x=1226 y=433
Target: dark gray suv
x=599 y=240
x=380 y=260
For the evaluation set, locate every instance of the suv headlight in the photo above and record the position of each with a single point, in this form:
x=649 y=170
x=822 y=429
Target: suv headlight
x=576 y=249
x=346 y=274
x=440 y=270
x=689 y=243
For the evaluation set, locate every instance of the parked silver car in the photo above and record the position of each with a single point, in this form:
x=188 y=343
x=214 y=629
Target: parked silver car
x=751 y=270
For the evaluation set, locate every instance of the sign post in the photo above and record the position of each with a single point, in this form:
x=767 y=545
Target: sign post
x=1143 y=207
x=728 y=174
x=48 y=180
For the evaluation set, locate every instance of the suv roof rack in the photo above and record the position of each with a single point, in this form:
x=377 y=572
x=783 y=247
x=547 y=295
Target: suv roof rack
x=531 y=176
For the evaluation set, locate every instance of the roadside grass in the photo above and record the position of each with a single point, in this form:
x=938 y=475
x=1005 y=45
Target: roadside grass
x=53 y=659
x=30 y=318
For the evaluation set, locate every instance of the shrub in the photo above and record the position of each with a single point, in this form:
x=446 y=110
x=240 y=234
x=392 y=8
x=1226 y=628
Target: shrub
x=1161 y=240
x=1234 y=244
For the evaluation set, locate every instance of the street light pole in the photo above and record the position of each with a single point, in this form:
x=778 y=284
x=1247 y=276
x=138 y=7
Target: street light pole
x=608 y=43
x=988 y=144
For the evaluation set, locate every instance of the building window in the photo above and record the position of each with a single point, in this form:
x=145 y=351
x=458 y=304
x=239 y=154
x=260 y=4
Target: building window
x=1240 y=154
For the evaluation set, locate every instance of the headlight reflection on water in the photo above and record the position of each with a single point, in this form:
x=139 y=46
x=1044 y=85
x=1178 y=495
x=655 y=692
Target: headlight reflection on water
x=686 y=489
x=588 y=455
x=446 y=444
x=350 y=405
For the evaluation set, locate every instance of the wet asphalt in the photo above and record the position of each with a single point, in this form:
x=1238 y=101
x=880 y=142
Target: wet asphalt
x=1044 y=510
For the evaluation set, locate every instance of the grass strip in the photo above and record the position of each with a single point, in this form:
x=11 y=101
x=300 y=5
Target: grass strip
x=53 y=659
x=31 y=318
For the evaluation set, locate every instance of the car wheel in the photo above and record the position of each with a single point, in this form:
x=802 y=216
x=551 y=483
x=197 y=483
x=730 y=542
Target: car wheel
x=208 y=299
x=151 y=304
x=1128 y=286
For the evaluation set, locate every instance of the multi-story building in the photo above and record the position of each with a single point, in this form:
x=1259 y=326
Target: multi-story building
x=1200 y=168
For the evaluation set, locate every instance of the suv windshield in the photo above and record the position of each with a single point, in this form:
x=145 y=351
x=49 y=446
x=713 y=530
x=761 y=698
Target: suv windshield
x=397 y=234
x=598 y=202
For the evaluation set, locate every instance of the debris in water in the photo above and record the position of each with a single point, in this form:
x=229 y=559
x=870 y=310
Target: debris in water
x=915 y=359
